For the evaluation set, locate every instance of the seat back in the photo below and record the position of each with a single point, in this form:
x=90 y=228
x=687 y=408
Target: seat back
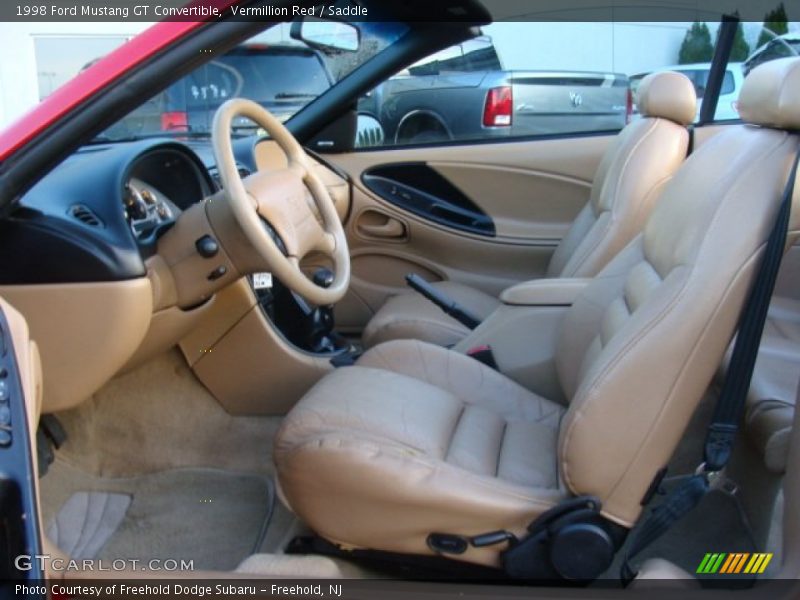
x=639 y=348
x=630 y=178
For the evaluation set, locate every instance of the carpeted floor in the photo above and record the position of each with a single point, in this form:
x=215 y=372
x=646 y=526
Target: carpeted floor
x=160 y=417
x=215 y=518
x=200 y=481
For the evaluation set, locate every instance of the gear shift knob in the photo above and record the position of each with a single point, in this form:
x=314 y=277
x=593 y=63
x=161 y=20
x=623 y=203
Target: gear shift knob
x=323 y=277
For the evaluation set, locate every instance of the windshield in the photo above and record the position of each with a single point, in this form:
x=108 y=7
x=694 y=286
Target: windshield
x=274 y=68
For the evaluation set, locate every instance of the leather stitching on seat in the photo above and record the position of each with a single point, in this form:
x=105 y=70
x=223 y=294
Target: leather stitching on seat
x=454 y=430
x=498 y=486
x=500 y=450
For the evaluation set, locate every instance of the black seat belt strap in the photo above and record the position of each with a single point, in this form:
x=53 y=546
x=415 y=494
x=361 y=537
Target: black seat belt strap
x=724 y=425
x=728 y=411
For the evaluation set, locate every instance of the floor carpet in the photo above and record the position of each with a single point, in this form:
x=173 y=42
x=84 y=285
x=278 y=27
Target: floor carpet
x=212 y=517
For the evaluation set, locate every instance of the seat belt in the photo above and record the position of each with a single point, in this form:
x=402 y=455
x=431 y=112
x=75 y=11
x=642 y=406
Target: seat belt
x=721 y=433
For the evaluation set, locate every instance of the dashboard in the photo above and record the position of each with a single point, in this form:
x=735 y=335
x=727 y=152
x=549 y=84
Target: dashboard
x=98 y=215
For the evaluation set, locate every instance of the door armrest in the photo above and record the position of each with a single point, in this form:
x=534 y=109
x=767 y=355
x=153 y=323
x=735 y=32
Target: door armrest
x=545 y=292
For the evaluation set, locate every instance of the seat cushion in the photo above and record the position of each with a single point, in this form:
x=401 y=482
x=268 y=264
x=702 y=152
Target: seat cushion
x=412 y=316
x=783 y=320
x=771 y=398
x=381 y=458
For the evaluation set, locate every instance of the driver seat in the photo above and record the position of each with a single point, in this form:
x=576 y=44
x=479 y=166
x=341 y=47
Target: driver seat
x=417 y=439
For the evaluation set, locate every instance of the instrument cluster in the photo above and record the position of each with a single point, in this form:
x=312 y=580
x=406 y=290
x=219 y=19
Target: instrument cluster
x=147 y=210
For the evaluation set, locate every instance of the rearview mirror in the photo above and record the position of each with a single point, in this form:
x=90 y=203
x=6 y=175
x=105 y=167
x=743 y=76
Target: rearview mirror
x=328 y=36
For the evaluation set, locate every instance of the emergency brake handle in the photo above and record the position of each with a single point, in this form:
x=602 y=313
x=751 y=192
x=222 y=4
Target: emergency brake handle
x=447 y=304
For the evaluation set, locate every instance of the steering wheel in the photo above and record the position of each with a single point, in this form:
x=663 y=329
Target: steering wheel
x=292 y=202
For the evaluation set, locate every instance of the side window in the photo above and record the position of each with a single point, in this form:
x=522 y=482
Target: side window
x=529 y=79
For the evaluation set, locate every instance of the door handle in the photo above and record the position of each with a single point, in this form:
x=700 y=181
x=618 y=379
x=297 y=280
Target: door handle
x=390 y=228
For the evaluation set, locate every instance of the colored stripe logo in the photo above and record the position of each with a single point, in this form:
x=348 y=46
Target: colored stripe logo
x=734 y=563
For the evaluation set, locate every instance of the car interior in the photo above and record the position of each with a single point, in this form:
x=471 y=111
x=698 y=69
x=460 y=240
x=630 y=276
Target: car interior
x=222 y=362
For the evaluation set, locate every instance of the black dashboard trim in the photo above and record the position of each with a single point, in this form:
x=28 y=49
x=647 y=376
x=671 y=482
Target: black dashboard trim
x=42 y=242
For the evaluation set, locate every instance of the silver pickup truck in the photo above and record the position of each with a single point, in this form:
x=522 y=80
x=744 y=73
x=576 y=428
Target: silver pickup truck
x=463 y=93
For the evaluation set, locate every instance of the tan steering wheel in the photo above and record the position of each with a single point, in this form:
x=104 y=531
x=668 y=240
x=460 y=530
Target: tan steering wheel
x=293 y=201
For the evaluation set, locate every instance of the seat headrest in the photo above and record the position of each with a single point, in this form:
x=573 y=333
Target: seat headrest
x=770 y=94
x=668 y=95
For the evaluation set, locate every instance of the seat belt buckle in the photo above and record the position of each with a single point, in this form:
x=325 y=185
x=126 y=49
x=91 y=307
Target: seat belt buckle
x=717 y=480
x=485 y=355
x=718 y=446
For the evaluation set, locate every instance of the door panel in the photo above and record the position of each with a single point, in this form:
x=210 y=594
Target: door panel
x=422 y=190
x=534 y=205
x=530 y=190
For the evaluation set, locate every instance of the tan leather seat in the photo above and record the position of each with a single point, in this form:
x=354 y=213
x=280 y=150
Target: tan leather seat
x=417 y=439
x=628 y=182
x=770 y=407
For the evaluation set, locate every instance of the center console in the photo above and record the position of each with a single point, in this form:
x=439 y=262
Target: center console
x=310 y=328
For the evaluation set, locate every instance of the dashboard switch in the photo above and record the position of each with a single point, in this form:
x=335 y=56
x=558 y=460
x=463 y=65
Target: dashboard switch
x=220 y=271
x=207 y=246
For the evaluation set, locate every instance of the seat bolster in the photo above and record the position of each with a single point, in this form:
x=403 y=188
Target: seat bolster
x=770 y=404
x=769 y=427
x=412 y=316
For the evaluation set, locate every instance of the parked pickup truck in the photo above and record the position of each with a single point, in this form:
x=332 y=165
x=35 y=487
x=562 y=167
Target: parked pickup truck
x=463 y=93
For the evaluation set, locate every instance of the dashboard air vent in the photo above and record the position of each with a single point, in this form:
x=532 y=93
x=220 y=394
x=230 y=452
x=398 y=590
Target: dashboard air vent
x=85 y=215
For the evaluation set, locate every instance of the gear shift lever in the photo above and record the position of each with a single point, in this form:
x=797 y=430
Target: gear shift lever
x=321 y=318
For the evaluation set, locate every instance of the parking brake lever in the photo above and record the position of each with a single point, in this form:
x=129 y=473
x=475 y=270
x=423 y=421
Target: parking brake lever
x=447 y=304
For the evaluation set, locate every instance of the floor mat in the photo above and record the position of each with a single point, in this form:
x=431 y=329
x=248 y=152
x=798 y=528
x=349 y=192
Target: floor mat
x=87 y=521
x=212 y=517
x=717 y=524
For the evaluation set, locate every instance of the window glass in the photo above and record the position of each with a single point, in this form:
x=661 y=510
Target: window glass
x=524 y=79
x=274 y=69
x=471 y=56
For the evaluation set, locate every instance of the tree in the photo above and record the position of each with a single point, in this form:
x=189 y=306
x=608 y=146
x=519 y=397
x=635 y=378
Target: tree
x=741 y=49
x=696 y=46
x=775 y=23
